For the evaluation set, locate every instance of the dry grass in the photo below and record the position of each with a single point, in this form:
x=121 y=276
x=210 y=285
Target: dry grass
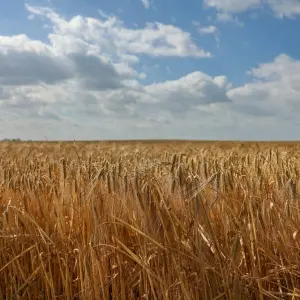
x=149 y=221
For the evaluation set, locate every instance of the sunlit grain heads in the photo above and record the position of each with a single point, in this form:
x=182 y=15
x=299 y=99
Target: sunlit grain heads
x=204 y=169
x=170 y=221
x=174 y=163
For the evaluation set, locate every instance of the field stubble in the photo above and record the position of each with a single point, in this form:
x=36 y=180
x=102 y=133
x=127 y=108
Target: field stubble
x=173 y=220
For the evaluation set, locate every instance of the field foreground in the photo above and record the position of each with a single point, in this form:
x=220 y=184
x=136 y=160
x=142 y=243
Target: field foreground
x=156 y=220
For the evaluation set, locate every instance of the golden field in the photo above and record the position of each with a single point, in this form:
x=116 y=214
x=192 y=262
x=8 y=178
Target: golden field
x=149 y=220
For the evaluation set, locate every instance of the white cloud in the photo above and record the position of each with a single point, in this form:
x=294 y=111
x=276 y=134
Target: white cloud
x=98 y=54
x=84 y=80
x=225 y=8
x=224 y=17
x=211 y=29
x=27 y=62
x=86 y=73
x=274 y=92
x=24 y=61
x=113 y=37
x=146 y=3
x=208 y=30
x=282 y=68
x=285 y=8
x=189 y=92
x=232 y=6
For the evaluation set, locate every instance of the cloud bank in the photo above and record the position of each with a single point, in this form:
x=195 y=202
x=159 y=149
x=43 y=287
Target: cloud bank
x=84 y=82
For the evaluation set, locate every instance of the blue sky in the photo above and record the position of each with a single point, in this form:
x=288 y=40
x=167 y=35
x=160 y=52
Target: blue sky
x=200 y=69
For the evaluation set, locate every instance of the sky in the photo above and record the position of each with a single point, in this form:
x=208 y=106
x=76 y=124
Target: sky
x=150 y=69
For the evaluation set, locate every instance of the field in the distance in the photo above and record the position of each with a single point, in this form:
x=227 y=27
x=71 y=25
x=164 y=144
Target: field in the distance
x=149 y=220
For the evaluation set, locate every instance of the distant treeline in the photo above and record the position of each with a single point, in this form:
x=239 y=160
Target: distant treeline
x=12 y=140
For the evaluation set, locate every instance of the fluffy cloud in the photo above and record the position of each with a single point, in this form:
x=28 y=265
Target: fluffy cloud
x=225 y=9
x=98 y=54
x=281 y=8
x=27 y=62
x=114 y=38
x=85 y=80
x=275 y=90
x=96 y=73
x=232 y=6
x=285 y=8
x=23 y=61
x=86 y=73
x=146 y=3
x=190 y=92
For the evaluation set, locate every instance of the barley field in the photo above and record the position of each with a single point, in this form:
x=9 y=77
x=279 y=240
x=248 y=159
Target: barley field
x=149 y=220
